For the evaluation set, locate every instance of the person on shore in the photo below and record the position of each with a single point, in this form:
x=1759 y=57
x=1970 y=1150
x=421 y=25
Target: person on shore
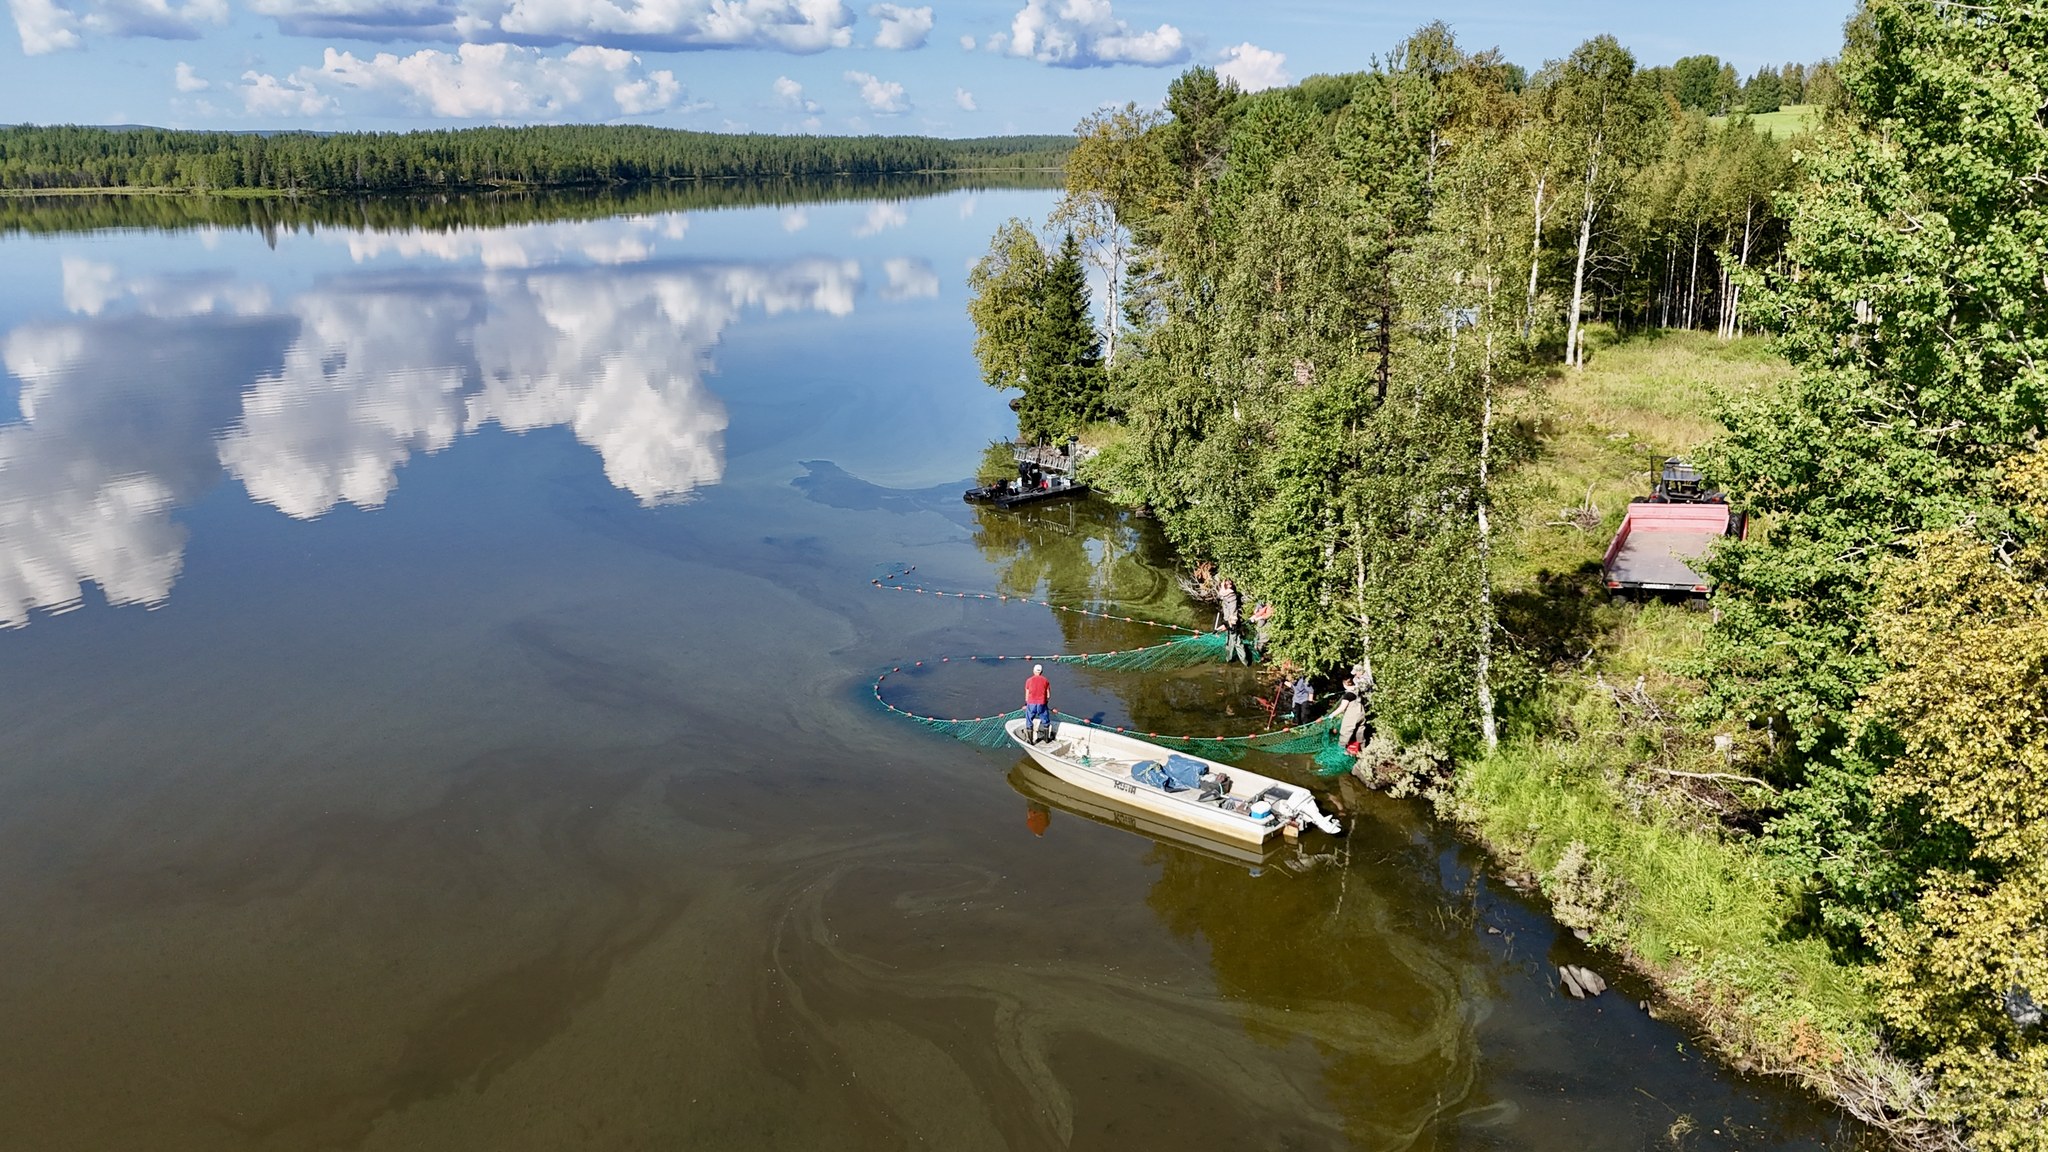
x=1352 y=719
x=1230 y=621
x=1037 y=706
x=1304 y=699
x=1262 y=620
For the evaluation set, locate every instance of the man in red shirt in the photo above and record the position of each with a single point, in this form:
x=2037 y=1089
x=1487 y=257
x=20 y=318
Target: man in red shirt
x=1037 y=705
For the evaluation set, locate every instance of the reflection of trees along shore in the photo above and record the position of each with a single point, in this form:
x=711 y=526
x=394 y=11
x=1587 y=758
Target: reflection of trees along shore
x=158 y=386
x=69 y=156
x=442 y=211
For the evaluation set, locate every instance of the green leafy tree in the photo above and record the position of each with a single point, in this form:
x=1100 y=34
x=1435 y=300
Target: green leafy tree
x=1910 y=299
x=1005 y=291
x=1961 y=627
x=1606 y=120
x=1696 y=80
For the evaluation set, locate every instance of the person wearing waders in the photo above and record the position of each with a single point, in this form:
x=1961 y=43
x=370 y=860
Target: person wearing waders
x=1304 y=695
x=1229 y=621
x=1037 y=705
x=1351 y=720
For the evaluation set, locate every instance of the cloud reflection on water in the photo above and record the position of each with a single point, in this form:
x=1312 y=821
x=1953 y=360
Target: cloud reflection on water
x=158 y=385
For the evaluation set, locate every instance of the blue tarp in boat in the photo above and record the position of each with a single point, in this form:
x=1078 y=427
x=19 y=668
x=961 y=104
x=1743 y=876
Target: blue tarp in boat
x=1184 y=772
x=1180 y=774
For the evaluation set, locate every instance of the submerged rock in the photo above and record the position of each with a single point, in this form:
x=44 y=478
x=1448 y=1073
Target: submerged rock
x=1581 y=982
x=1571 y=982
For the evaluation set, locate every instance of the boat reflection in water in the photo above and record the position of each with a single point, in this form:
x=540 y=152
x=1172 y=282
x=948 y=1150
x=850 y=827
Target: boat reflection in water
x=1042 y=787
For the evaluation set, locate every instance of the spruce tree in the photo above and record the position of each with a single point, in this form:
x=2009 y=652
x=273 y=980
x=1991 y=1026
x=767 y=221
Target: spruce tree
x=1064 y=386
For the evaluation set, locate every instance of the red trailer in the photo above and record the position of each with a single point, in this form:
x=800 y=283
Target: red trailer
x=1662 y=538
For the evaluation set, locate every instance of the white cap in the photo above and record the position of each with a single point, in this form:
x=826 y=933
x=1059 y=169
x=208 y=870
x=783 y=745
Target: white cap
x=1037 y=668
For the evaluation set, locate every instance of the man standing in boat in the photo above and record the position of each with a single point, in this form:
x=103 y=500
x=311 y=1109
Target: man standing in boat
x=1037 y=705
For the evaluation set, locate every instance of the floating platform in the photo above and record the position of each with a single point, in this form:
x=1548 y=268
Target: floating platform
x=1006 y=496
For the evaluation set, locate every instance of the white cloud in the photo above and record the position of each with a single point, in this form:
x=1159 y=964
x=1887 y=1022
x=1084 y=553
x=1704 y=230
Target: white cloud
x=43 y=27
x=266 y=95
x=964 y=99
x=800 y=26
x=968 y=206
x=476 y=81
x=389 y=369
x=790 y=94
x=795 y=220
x=187 y=80
x=902 y=29
x=881 y=96
x=908 y=279
x=881 y=218
x=90 y=473
x=323 y=401
x=54 y=25
x=367 y=19
x=1085 y=34
x=967 y=43
x=92 y=288
x=1254 y=68
x=374 y=377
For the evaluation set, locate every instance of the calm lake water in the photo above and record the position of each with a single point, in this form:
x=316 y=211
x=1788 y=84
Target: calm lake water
x=439 y=715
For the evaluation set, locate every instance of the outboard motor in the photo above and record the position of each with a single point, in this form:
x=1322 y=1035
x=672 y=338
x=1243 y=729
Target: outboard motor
x=1299 y=805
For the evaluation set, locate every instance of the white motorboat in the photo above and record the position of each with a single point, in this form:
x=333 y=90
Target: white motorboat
x=1219 y=799
x=1036 y=784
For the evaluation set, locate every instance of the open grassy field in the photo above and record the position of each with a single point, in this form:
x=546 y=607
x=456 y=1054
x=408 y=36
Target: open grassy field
x=1786 y=122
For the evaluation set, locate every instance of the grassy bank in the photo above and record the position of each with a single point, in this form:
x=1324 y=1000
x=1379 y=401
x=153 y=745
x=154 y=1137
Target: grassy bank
x=1608 y=794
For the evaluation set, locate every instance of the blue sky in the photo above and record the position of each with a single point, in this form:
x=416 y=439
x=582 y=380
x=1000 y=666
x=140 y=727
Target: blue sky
x=947 y=67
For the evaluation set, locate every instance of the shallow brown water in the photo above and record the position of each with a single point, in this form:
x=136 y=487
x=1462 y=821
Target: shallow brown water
x=439 y=717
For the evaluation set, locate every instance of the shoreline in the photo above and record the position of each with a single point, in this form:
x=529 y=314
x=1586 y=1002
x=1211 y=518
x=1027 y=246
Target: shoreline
x=502 y=186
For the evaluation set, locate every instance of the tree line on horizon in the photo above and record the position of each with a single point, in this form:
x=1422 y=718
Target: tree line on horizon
x=67 y=156
x=1326 y=300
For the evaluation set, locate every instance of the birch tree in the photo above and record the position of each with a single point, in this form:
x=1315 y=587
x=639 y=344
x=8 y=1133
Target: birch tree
x=1604 y=121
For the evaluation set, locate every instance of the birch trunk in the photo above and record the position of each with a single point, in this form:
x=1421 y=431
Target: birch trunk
x=1735 y=296
x=1487 y=725
x=1692 y=288
x=1573 y=337
x=1364 y=619
x=1535 y=261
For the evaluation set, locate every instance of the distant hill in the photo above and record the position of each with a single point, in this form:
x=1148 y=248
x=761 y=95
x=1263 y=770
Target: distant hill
x=140 y=157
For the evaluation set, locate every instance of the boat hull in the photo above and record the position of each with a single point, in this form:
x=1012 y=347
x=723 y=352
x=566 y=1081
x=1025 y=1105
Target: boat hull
x=1036 y=784
x=1002 y=497
x=1099 y=761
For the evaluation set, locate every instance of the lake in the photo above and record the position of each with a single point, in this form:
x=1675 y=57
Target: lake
x=440 y=714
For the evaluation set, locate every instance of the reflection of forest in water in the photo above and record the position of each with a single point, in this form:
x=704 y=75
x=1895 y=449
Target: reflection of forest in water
x=476 y=208
x=1092 y=554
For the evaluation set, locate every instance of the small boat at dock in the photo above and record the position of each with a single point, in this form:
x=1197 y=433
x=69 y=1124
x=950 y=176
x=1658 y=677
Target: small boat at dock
x=1219 y=800
x=1013 y=494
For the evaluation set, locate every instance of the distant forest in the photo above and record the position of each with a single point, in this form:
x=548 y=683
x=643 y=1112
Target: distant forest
x=64 y=156
x=476 y=208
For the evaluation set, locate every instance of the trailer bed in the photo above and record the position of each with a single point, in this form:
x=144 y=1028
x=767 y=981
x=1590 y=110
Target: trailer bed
x=1658 y=545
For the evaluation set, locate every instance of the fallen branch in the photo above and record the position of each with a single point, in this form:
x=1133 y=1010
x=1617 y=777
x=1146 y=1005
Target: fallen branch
x=1713 y=776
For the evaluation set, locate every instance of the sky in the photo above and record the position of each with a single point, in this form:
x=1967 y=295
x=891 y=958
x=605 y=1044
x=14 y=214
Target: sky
x=947 y=68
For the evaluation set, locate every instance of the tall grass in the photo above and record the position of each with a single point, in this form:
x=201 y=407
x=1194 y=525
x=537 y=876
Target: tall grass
x=1596 y=766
